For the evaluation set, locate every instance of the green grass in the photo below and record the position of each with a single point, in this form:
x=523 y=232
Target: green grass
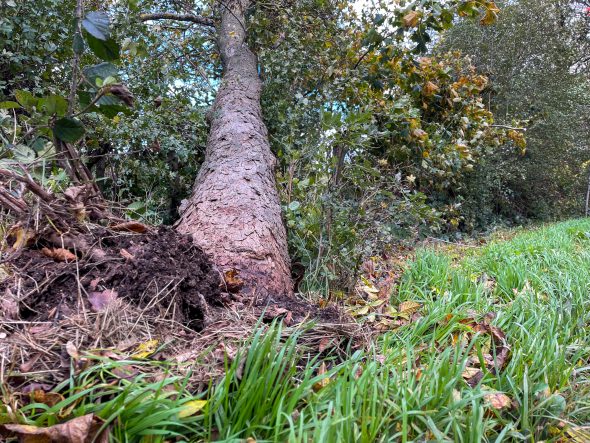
x=409 y=387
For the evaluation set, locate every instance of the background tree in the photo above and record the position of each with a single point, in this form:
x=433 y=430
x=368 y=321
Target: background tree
x=539 y=76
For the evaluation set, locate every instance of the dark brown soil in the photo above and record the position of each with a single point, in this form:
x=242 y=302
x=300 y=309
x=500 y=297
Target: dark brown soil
x=161 y=271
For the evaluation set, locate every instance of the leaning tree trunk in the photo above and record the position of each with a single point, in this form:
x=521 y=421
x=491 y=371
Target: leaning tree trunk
x=234 y=212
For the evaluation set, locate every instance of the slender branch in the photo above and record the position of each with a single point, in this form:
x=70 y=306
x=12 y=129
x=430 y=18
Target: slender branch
x=199 y=20
x=92 y=103
x=508 y=127
x=76 y=58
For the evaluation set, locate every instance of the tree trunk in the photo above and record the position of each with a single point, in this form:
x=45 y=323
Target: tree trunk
x=234 y=212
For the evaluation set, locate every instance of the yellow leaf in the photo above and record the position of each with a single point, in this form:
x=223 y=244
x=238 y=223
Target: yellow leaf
x=578 y=434
x=409 y=307
x=23 y=236
x=370 y=289
x=361 y=311
x=191 y=408
x=324 y=381
x=146 y=349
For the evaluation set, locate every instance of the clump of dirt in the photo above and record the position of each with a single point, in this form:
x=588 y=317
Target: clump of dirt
x=161 y=272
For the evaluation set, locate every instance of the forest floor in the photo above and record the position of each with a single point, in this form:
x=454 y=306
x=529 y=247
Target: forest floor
x=473 y=342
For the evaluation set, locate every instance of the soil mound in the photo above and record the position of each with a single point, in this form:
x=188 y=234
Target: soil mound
x=161 y=272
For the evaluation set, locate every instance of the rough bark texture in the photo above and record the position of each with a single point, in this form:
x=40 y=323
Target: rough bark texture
x=234 y=213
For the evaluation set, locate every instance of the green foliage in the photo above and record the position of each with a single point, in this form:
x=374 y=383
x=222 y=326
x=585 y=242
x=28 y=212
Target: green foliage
x=541 y=80
x=410 y=386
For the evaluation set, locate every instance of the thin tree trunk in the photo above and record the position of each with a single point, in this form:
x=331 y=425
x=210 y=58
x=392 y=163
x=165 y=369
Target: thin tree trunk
x=587 y=198
x=234 y=213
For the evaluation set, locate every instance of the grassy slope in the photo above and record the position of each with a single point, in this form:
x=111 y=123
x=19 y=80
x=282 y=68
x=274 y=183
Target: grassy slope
x=411 y=386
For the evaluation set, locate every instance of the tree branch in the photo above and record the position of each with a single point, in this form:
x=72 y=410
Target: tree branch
x=508 y=127
x=199 y=20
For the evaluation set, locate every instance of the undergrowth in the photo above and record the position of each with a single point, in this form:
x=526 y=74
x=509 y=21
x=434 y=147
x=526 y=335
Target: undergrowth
x=411 y=385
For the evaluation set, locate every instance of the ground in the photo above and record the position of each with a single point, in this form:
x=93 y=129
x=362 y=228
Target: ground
x=469 y=343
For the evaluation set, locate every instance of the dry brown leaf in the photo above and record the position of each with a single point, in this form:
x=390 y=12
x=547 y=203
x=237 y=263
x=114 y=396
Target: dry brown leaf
x=472 y=376
x=498 y=400
x=233 y=283
x=430 y=88
x=411 y=19
x=9 y=307
x=100 y=301
x=72 y=350
x=126 y=254
x=324 y=343
x=28 y=365
x=78 y=430
x=130 y=226
x=47 y=398
x=59 y=254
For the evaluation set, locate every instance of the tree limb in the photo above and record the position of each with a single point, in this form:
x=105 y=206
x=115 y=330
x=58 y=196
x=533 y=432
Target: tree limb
x=199 y=20
x=508 y=127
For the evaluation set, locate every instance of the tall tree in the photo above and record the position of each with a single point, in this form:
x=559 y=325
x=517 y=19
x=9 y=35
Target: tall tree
x=234 y=212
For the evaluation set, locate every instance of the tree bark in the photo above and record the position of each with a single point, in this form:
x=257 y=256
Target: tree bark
x=234 y=212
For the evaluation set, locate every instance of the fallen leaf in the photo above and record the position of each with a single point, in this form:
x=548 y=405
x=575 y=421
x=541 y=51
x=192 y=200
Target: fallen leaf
x=72 y=350
x=125 y=254
x=23 y=236
x=59 y=254
x=232 y=282
x=273 y=312
x=324 y=381
x=324 y=343
x=28 y=365
x=191 y=408
x=146 y=349
x=9 y=307
x=472 y=376
x=130 y=226
x=78 y=430
x=430 y=88
x=498 y=400
x=370 y=289
x=100 y=301
x=408 y=307
x=78 y=193
x=47 y=398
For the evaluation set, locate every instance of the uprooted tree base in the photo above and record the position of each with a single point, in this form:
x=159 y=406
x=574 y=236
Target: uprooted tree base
x=74 y=277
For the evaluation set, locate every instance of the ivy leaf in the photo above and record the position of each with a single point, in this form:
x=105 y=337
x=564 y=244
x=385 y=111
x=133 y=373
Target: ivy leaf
x=97 y=24
x=107 y=50
x=68 y=129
